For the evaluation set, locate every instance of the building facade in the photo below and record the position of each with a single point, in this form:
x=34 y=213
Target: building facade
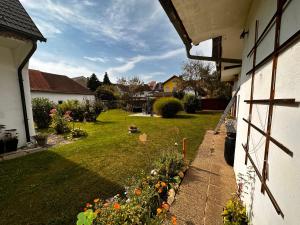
x=18 y=42
x=256 y=45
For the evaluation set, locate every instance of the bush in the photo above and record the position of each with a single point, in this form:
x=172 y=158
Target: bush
x=167 y=107
x=41 y=112
x=235 y=212
x=60 y=121
x=178 y=94
x=88 y=110
x=191 y=103
x=77 y=133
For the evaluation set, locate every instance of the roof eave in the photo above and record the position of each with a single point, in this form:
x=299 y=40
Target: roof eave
x=22 y=33
x=172 y=13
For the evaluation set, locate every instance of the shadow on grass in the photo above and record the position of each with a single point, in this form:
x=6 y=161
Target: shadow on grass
x=210 y=112
x=98 y=122
x=46 y=188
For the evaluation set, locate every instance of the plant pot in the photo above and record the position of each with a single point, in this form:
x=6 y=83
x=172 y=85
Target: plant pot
x=11 y=145
x=133 y=130
x=42 y=141
x=1 y=146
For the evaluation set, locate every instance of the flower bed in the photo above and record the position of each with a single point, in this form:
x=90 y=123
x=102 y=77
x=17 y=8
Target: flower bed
x=146 y=201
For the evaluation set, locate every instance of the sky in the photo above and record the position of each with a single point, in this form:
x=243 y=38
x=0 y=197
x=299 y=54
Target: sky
x=122 y=37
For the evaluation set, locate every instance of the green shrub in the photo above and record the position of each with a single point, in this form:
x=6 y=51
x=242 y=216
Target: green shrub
x=167 y=107
x=41 y=112
x=235 y=212
x=88 y=110
x=60 y=121
x=191 y=103
x=77 y=133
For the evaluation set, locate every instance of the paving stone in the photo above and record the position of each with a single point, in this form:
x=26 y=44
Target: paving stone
x=207 y=186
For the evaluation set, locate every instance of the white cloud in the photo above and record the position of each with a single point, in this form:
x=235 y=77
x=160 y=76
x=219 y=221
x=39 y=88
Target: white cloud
x=48 y=29
x=96 y=59
x=59 y=67
x=135 y=60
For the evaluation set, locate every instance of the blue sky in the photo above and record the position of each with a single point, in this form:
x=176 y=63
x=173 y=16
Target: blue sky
x=122 y=37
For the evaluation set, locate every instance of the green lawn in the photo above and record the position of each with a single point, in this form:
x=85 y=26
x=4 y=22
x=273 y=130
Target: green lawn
x=50 y=187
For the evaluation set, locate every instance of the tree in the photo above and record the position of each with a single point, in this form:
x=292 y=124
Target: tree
x=203 y=80
x=93 y=83
x=195 y=73
x=106 y=80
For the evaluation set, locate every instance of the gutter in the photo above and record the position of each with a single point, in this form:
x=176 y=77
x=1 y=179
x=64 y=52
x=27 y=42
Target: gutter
x=176 y=21
x=21 y=85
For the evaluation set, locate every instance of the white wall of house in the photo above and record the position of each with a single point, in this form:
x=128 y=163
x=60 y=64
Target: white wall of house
x=12 y=52
x=57 y=97
x=284 y=175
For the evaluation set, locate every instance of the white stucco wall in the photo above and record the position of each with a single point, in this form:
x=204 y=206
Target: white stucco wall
x=12 y=52
x=284 y=175
x=56 y=97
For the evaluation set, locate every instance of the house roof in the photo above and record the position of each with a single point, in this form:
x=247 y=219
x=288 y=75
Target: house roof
x=81 y=80
x=53 y=83
x=171 y=78
x=14 y=18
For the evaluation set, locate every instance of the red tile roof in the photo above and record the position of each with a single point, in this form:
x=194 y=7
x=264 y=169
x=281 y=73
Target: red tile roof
x=47 y=82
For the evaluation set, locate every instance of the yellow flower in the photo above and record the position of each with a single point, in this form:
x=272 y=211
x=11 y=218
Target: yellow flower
x=158 y=211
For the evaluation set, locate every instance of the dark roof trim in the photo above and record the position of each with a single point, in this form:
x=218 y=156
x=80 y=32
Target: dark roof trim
x=175 y=19
x=23 y=34
x=61 y=92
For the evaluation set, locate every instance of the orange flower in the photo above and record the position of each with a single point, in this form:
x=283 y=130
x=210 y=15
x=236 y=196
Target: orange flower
x=117 y=206
x=174 y=220
x=84 y=209
x=163 y=184
x=158 y=211
x=96 y=200
x=166 y=206
x=160 y=190
x=88 y=205
x=137 y=191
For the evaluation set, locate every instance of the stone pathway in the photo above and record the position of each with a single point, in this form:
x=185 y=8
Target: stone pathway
x=207 y=185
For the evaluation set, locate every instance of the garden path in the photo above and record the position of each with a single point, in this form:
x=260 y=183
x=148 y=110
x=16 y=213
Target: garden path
x=207 y=185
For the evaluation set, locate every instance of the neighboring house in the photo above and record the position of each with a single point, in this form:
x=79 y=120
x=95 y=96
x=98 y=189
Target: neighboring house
x=81 y=80
x=18 y=42
x=57 y=88
x=256 y=44
x=172 y=84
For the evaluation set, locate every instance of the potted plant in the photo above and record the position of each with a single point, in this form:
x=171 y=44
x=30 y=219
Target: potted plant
x=41 y=139
x=11 y=144
x=132 y=129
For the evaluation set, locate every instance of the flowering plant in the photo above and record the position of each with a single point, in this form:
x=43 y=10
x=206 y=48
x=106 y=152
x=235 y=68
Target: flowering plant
x=146 y=200
x=60 y=121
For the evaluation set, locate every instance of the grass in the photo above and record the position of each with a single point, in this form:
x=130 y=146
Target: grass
x=51 y=187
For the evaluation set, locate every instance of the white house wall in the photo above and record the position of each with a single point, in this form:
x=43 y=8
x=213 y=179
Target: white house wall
x=284 y=175
x=11 y=112
x=56 y=97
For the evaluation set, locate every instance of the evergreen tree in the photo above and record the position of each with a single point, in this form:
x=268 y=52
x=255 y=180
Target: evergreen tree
x=93 y=83
x=106 y=80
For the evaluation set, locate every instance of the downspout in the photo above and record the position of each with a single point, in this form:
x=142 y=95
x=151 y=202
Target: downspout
x=21 y=85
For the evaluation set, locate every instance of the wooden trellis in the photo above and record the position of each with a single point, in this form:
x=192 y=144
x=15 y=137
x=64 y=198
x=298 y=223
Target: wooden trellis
x=271 y=101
